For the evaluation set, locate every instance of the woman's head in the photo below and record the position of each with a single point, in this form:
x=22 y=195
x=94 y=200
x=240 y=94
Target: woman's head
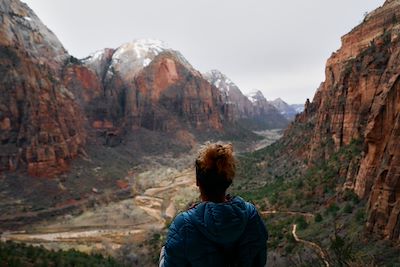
x=215 y=169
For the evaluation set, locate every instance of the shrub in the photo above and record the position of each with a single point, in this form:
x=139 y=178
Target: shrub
x=360 y=216
x=342 y=248
x=349 y=195
x=348 y=208
x=301 y=223
x=332 y=209
x=318 y=218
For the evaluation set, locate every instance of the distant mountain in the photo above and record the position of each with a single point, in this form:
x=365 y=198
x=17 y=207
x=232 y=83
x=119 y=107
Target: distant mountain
x=54 y=107
x=149 y=85
x=289 y=111
x=298 y=107
x=238 y=107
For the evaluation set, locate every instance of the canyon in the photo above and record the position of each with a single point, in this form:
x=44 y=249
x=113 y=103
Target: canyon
x=97 y=153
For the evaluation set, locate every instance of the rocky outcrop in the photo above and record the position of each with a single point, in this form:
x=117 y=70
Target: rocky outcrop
x=359 y=101
x=41 y=126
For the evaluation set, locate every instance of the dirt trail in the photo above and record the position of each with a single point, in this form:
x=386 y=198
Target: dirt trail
x=311 y=245
x=304 y=214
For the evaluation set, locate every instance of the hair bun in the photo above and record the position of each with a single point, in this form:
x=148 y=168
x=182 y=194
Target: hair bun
x=216 y=159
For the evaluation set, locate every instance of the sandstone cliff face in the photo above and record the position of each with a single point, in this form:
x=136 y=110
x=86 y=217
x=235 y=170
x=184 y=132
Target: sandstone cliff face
x=40 y=124
x=41 y=127
x=176 y=90
x=359 y=100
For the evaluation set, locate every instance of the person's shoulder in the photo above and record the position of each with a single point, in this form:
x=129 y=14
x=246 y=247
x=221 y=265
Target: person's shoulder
x=249 y=207
x=181 y=220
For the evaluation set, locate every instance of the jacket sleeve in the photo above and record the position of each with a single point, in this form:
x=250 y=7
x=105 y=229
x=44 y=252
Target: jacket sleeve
x=173 y=253
x=253 y=243
x=261 y=258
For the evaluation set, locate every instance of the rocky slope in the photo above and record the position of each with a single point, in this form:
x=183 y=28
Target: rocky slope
x=41 y=124
x=254 y=113
x=359 y=103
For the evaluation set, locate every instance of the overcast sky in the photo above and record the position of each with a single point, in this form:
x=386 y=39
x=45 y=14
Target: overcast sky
x=278 y=47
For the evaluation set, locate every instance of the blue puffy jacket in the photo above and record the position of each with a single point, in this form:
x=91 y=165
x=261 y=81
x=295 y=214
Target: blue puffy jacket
x=210 y=234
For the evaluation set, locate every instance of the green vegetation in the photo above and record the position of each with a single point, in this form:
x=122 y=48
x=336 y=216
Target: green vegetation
x=21 y=255
x=267 y=179
x=318 y=218
x=348 y=208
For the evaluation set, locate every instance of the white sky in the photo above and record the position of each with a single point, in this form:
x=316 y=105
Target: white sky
x=278 y=47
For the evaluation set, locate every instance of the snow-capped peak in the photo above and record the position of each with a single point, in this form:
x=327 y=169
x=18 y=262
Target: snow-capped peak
x=219 y=80
x=139 y=52
x=95 y=56
x=255 y=96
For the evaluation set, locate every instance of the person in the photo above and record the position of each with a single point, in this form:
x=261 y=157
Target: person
x=220 y=230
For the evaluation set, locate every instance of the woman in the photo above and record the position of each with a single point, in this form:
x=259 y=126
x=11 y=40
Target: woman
x=220 y=230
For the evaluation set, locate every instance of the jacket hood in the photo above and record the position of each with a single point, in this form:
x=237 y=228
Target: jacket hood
x=222 y=223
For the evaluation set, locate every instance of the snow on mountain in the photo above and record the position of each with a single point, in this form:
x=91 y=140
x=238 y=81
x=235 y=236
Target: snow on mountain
x=298 y=107
x=130 y=58
x=138 y=53
x=221 y=81
x=289 y=111
x=256 y=96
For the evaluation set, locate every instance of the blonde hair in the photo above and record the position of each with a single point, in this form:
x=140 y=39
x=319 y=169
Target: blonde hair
x=215 y=168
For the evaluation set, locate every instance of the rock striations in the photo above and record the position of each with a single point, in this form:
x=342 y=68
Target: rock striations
x=360 y=102
x=41 y=126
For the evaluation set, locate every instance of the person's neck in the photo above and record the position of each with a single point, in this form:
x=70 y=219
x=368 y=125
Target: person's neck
x=218 y=199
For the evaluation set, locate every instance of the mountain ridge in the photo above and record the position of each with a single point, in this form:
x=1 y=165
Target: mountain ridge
x=105 y=98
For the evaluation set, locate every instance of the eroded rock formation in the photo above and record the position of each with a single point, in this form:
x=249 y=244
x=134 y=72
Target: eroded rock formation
x=360 y=101
x=41 y=126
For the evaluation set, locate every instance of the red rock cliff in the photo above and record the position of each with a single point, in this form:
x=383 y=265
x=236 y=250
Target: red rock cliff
x=41 y=125
x=147 y=85
x=360 y=100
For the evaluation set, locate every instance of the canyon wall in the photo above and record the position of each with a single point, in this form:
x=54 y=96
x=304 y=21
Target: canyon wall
x=359 y=102
x=41 y=124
